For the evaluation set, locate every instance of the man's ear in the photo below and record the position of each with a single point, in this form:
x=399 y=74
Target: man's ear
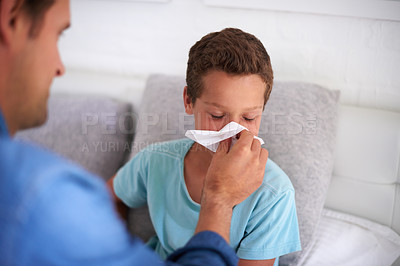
x=9 y=13
x=187 y=102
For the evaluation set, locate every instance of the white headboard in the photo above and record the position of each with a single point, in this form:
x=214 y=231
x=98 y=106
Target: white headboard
x=366 y=176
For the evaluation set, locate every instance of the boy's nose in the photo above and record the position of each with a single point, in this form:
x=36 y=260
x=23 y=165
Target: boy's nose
x=234 y=119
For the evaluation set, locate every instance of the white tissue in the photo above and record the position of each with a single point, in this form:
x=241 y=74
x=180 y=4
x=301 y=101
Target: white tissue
x=211 y=139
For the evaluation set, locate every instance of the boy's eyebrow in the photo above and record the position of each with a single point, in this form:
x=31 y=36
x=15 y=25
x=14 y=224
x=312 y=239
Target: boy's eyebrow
x=247 y=109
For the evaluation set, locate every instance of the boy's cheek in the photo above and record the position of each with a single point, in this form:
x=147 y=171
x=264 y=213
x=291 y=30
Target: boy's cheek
x=254 y=132
x=254 y=128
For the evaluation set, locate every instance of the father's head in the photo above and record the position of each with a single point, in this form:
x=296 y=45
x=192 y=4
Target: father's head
x=29 y=32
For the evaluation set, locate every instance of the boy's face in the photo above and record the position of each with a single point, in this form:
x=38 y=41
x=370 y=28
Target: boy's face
x=226 y=98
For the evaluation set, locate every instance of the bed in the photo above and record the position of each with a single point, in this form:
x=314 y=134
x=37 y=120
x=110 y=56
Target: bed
x=342 y=160
x=360 y=221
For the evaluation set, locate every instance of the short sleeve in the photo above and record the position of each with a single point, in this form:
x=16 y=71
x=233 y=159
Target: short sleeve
x=272 y=231
x=130 y=181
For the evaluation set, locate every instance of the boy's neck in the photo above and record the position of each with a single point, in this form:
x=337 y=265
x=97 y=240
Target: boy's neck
x=201 y=155
x=196 y=164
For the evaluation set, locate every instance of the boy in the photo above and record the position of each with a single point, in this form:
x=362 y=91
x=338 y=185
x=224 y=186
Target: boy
x=229 y=78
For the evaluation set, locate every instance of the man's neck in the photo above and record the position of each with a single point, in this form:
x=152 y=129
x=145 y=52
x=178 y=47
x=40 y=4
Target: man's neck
x=11 y=128
x=5 y=100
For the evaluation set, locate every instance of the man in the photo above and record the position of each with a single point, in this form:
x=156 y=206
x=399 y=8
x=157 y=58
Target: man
x=53 y=212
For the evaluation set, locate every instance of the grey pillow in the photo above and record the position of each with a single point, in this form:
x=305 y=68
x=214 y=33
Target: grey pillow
x=95 y=132
x=299 y=129
x=298 y=125
x=162 y=114
x=162 y=117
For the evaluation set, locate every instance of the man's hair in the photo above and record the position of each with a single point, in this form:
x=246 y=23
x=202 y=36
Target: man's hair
x=232 y=51
x=35 y=11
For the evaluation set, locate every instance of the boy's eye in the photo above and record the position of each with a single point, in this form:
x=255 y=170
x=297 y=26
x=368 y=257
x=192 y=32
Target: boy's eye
x=217 y=116
x=248 y=119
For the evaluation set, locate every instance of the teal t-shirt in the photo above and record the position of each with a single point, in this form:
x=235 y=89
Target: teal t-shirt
x=264 y=226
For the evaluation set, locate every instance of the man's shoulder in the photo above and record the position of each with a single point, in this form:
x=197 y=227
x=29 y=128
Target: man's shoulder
x=54 y=211
x=36 y=183
x=27 y=167
x=19 y=156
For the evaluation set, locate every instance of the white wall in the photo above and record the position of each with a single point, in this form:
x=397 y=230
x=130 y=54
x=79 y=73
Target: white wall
x=130 y=40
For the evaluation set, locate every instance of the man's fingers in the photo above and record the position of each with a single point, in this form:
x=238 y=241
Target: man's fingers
x=263 y=156
x=224 y=146
x=256 y=145
x=245 y=139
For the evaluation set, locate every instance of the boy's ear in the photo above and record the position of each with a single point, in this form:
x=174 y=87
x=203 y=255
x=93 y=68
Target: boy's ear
x=187 y=102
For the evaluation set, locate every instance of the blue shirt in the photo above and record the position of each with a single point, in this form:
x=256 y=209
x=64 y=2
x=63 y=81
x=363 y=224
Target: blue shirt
x=264 y=226
x=54 y=213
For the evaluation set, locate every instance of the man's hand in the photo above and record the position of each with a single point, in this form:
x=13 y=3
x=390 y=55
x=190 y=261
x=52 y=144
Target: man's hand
x=232 y=176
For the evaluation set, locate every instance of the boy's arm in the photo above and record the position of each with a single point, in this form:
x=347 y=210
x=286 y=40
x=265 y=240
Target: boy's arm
x=256 y=262
x=110 y=185
x=121 y=208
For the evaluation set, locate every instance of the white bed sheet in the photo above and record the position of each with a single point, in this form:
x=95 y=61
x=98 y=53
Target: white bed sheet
x=343 y=239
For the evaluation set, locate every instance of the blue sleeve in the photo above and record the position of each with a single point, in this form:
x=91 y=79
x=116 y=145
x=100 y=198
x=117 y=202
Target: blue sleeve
x=272 y=231
x=73 y=222
x=130 y=181
x=205 y=248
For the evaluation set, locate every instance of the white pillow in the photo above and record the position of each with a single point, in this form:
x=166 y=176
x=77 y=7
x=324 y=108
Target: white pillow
x=343 y=239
